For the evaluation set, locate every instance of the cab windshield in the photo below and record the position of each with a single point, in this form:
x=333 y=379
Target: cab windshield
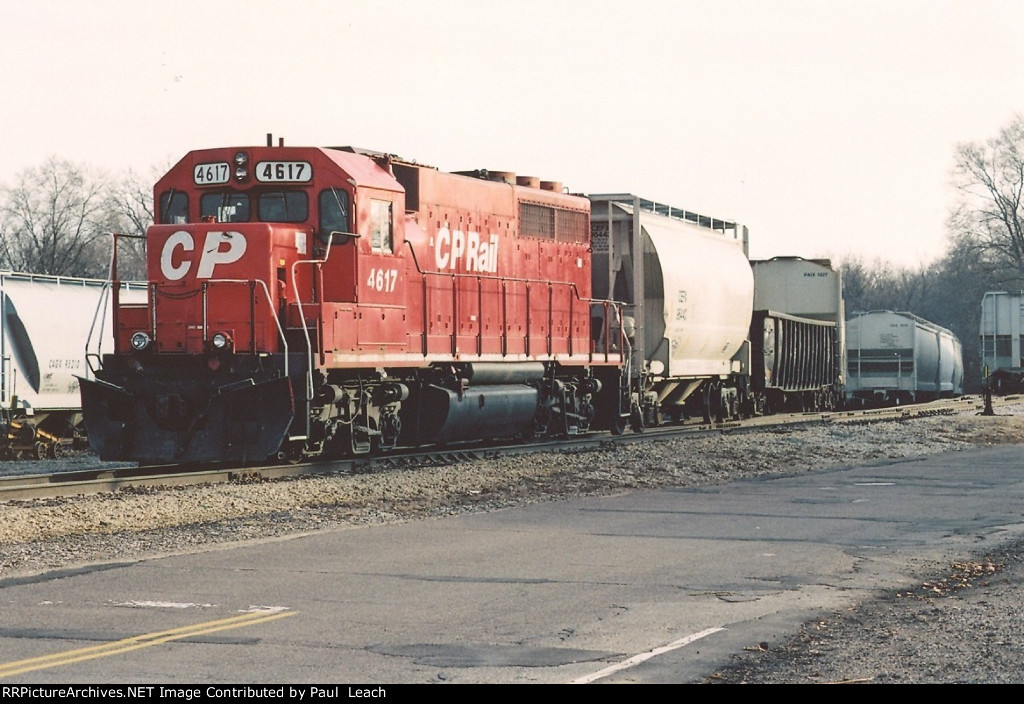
x=271 y=206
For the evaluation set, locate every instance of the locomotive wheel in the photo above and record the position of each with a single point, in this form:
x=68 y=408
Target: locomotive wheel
x=39 y=450
x=291 y=454
x=618 y=425
x=367 y=442
x=540 y=424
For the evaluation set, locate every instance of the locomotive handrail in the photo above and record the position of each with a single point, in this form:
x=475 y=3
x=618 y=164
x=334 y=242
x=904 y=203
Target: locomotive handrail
x=109 y=288
x=617 y=305
x=305 y=328
x=111 y=275
x=302 y=315
x=252 y=322
x=101 y=304
x=101 y=315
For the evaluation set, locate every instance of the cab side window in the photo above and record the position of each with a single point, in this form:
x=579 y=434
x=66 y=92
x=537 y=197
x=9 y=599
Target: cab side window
x=380 y=226
x=333 y=207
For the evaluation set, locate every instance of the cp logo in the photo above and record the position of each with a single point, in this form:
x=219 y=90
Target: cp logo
x=218 y=248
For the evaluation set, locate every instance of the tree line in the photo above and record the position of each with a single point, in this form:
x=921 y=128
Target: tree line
x=985 y=249
x=57 y=218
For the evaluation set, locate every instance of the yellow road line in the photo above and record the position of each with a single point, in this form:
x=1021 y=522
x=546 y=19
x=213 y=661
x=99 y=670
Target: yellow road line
x=136 y=642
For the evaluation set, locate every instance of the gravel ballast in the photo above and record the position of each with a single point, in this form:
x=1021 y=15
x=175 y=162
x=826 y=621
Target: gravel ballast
x=40 y=536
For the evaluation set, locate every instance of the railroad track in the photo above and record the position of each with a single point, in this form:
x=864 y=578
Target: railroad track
x=103 y=479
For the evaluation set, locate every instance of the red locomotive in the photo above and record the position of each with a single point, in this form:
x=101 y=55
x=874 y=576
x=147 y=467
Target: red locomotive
x=312 y=302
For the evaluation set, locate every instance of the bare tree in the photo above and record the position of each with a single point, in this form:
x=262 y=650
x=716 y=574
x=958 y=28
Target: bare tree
x=53 y=221
x=880 y=286
x=989 y=217
x=130 y=213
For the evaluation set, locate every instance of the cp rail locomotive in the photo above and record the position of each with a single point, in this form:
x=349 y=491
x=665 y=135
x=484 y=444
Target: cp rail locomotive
x=311 y=302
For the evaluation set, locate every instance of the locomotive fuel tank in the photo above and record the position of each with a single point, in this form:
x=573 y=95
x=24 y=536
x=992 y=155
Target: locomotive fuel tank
x=492 y=411
x=490 y=400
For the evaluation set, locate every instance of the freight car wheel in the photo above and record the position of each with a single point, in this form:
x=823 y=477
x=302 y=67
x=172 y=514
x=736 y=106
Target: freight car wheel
x=706 y=400
x=59 y=449
x=636 y=419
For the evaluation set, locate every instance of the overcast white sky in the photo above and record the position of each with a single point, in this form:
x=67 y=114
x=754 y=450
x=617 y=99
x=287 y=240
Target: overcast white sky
x=827 y=128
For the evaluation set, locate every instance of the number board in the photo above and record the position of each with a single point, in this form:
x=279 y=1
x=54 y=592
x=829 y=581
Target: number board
x=211 y=174
x=284 y=171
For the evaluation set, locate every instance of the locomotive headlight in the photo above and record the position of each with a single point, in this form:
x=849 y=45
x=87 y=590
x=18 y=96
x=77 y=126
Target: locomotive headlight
x=140 y=341
x=241 y=166
x=220 y=341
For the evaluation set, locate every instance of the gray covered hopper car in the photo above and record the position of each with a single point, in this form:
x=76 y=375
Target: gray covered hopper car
x=1002 y=330
x=900 y=358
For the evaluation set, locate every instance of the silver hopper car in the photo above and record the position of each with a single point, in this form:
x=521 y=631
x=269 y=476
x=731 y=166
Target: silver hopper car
x=897 y=358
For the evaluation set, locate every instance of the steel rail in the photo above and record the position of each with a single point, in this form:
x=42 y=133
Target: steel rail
x=105 y=480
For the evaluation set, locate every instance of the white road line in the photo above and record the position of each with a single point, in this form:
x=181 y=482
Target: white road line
x=637 y=659
x=161 y=605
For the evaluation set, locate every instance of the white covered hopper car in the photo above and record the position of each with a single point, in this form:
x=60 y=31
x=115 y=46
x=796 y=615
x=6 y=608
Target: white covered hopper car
x=47 y=323
x=688 y=289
